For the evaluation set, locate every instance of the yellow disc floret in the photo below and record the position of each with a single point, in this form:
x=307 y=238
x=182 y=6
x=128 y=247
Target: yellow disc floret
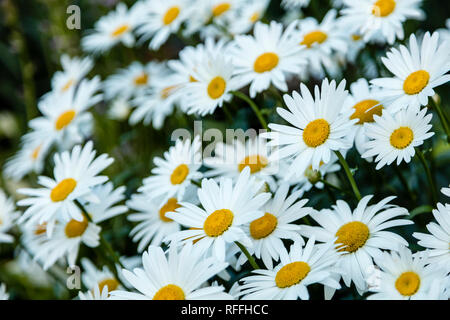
x=141 y=80
x=401 y=137
x=111 y=283
x=365 y=110
x=170 y=206
x=352 y=236
x=170 y=15
x=266 y=62
x=218 y=222
x=120 y=30
x=316 y=133
x=255 y=162
x=179 y=174
x=220 y=9
x=415 y=82
x=264 y=226
x=75 y=228
x=291 y=274
x=216 y=87
x=408 y=283
x=383 y=8
x=170 y=292
x=64 y=119
x=63 y=189
x=312 y=37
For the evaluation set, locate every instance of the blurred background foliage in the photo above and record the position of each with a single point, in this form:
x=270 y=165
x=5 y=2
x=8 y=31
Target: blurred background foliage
x=33 y=36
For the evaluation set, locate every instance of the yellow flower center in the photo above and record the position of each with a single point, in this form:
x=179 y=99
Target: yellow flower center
x=170 y=206
x=166 y=92
x=141 y=80
x=365 y=110
x=111 y=283
x=170 y=292
x=40 y=229
x=401 y=137
x=383 y=8
x=75 y=228
x=356 y=37
x=291 y=274
x=408 y=283
x=255 y=162
x=216 y=87
x=416 y=81
x=179 y=174
x=120 y=30
x=352 y=236
x=192 y=79
x=171 y=15
x=264 y=226
x=63 y=189
x=220 y=9
x=64 y=119
x=218 y=222
x=316 y=133
x=254 y=17
x=312 y=37
x=68 y=85
x=35 y=153
x=266 y=62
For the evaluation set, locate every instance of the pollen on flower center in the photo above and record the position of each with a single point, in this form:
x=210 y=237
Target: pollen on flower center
x=383 y=8
x=68 y=84
x=75 y=228
x=218 y=222
x=170 y=292
x=171 y=14
x=141 y=79
x=254 y=17
x=264 y=226
x=408 y=283
x=365 y=110
x=179 y=174
x=416 y=81
x=216 y=87
x=40 y=229
x=352 y=236
x=120 y=30
x=220 y=9
x=312 y=37
x=170 y=206
x=402 y=137
x=64 y=119
x=266 y=62
x=35 y=153
x=291 y=274
x=316 y=133
x=63 y=189
x=255 y=162
x=111 y=283
x=166 y=92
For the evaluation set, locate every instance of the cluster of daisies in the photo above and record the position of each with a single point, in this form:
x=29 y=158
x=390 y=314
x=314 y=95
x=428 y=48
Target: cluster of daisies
x=198 y=220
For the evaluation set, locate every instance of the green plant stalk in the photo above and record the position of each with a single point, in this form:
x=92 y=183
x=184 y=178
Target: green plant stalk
x=442 y=118
x=255 y=108
x=422 y=159
x=248 y=255
x=349 y=175
x=404 y=183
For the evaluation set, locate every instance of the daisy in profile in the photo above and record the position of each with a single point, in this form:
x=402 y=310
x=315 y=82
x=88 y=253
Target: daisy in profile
x=439 y=238
x=320 y=41
x=75 y=174
x=395 y=137
x=177 y=275
x=245 y=19
x=66 y=119
x=8 y=215
x=276 y=225
x=74 y=70
x=267 y=57
x=360 y=234
x=405 y=276
x=317 y=127
x=227 y=207
x=416 y=70
x=373 y=18
x=114 y=28
x=175 y=173
x=3 y=294
x=163 y=18
x=94 y=278
x=365 y=103
x=230 y=159
x=298 y=269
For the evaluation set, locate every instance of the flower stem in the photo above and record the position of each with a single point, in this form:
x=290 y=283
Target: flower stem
x=248 y=255
x=442 y=118
x=349 y=175
x=404 y=183
x=255 y=108
x=422 y=159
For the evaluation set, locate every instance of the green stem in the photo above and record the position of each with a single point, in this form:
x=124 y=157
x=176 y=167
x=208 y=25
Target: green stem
x=255 y=108
x=247 y=254
x=404 y=183
x=442 y=118
x=349 y=175
x=422 y=159
x=332 y=186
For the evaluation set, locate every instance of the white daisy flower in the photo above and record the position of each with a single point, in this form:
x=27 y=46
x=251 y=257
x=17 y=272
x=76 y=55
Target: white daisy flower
x=119 y=109
x=3 y=294
x=297 y=270
x=74 y=70
x=175 y=173
x=416 y=72
x=395 y=137
x=65 y=118
x=277 y=223
x=244 y=20
x=405 y=276
x=444 y=33
x=318 y=126
x=226 y=208
x=163 y=18
x=290 y=4
x=75 y=174
x=103 y=280
x=375 y=18
x=439 y=239
x=446 y=191
x=267 y=57
x=114 y=28
x=94 y=294
x=180 y=276
x=360 y=235
x=8 y=215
